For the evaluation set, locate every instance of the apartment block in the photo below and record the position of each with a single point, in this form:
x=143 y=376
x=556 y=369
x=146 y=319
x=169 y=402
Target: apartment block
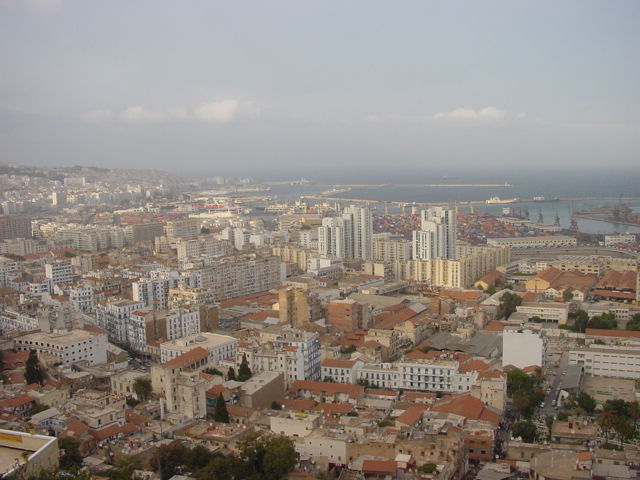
x=86 y=345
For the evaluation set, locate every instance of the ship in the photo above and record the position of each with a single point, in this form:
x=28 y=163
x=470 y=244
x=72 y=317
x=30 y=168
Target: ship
x=496 y=199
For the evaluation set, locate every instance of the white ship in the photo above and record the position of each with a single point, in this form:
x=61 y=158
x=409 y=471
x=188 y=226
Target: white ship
x=493 y=200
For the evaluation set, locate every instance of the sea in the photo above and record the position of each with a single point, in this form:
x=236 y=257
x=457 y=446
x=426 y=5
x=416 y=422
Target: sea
x=525 y=185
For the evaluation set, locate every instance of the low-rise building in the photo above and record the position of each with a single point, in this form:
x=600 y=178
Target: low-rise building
x=79 y=345
x=608 y=360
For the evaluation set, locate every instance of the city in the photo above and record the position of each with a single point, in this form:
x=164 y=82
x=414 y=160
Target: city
x=290 y=240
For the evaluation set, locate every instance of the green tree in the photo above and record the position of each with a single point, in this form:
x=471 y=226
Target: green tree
x=428 y=468
x=221 y=414
x=244 y=372
x=605 y=422
x=33 y=370
x=508 y=303
x=567 y=294
x=174 y=459
x=199 y=457
x=231 y=374
x=37 y=408
x=586 y=402
x=581 y=319
x=606 y=321
x=525 y=390
x=634 y=323
x=526 y=430
x=267 y=458
x=213 y=371
x=70 y=456
x=623 y=428
x=142 y=388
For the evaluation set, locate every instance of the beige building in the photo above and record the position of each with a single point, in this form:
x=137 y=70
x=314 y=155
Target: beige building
x=472 y=264
x=294 y=254
x=389 y=248
x=491 y=389
x=27 y=454
x=298 y=307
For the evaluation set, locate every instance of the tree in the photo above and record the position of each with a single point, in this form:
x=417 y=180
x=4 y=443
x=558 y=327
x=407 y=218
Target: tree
x=526 y=430
x=634 y=323
x=244 y=372
x=606 y=321
x=267 y=458
x=231 y=374
x=33 y=371
x=623 y=428
x=142 y=388
x=221 y=414
x=525 y=390
x=581 y=319
x=275 y=406
x=586 y=402
x=509 y=302
x=213 y=371
x=70 y=456
x=427 y=468
x=605 y=422
x=567 y=294
x=39 y=407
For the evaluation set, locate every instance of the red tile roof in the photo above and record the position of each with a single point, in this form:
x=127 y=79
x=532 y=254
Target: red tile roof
x=17 y=401
x=411 y=415
x=598 y=332
x=467 y=406
x=379 y=466
x=336 y=363
x=188 y=358
x=319 y=388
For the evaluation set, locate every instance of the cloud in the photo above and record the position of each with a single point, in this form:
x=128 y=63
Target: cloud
x=222 y=111
x=468 y=114
x=225 y=111
x=138 y=114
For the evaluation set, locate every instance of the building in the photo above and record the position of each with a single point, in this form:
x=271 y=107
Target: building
x=522 y=347
x=236 y=277
x=471 y=265
x=608 y=361
x=298 y=307
x=186 y=229
x=437 y=235
x=180 y=385
x=14 y=226
x=345 y=315
x=160 y=325
x=294 y=352
x=113 y=315
x=545 y=311
x=153 y=292
x=390 y=248
x=79 y=345
x=35 y=452
x=59 y=271
x=220 y=347
x=542 y=241
x=143 y=232
x=349 y=236
x=207 y=246
x=618 y=239
x=82 y=298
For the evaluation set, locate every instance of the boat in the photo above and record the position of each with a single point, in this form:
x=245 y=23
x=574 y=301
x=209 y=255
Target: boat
x=541 y=198
x=494 y=200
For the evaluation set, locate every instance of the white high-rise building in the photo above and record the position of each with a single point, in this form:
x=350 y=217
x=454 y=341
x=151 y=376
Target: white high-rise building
x=348 y=236
x=437 y=235
x=362 y=236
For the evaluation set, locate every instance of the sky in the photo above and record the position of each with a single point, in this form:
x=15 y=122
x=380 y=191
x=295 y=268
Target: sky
x=280 y=89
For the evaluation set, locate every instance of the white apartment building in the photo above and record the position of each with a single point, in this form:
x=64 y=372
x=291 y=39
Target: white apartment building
x=389 y=248
x=619 y=310
x=547 y=311
x=437 y=235
x=153 y=292
x=186 y=229
x=294 y=352
x=612 y=240
x=113 y=317
x=151 y=325
x=441 y=374
x=59 y=271
x=608 y=361
x=82 y=298
x=348 y=236
x=204 y=246
x=522 y=347
x=86 y=345
x=236 y=277
x=11 y=321
x=220 y=347
x=341 y=371
x=545 y=241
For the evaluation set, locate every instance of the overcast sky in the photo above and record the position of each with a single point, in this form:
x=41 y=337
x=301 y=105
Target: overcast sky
x=286 y=88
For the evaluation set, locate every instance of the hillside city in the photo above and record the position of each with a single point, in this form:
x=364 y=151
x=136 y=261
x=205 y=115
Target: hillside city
x=154 y=327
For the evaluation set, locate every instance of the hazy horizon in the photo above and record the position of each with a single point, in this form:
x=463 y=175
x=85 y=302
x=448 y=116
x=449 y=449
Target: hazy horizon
x=287 y=89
